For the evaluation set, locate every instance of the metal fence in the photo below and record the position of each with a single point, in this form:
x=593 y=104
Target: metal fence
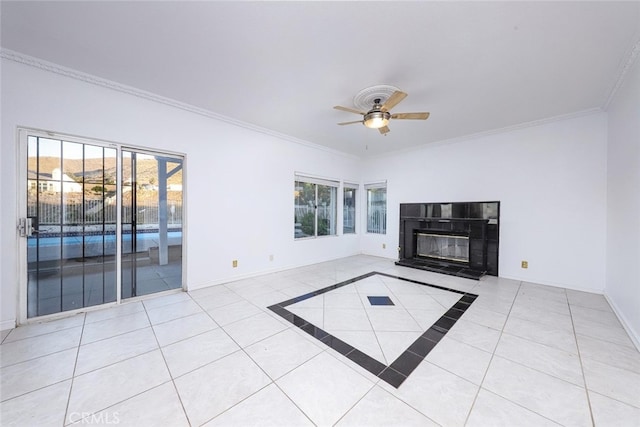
x=305 y=221
x=97 y=212
x=377 y=220
x=349 y=219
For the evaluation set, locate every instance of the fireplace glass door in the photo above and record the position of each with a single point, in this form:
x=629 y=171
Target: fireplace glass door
x=446 y=247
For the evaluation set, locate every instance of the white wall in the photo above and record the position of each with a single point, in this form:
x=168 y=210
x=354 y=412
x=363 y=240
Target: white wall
x=239 y=182
x=550 y=180
x=623 y=196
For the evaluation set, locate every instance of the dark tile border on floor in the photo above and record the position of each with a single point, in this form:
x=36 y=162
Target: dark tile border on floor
x=404 y=365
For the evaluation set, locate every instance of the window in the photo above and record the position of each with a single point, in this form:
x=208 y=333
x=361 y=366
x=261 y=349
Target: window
x=349 y=193
x=376 y=208
x=315 y=207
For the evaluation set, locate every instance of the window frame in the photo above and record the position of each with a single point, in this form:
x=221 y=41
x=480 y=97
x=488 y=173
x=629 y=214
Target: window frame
x=356 y=188
x=316 y=182
x=383 y=221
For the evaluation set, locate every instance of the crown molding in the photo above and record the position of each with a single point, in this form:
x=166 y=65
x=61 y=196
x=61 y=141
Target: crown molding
x=149 y=96
x=506 y=129
x=631 y=59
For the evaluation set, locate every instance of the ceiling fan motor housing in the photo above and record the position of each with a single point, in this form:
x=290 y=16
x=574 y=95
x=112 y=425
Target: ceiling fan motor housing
x=378 y=116
x=376 y=119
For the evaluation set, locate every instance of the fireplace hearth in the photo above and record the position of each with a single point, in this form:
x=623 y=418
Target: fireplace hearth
x=459 y=239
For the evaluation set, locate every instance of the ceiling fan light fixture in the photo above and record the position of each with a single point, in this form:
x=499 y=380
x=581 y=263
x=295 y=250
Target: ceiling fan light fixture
x=376 y=119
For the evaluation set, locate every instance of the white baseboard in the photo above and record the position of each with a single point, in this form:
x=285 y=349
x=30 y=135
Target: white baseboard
x=635 y=338
x=7 y=324
x=554 y=284
x=253 y=274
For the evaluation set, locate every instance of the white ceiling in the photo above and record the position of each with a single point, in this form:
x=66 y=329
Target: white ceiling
x=476 y=66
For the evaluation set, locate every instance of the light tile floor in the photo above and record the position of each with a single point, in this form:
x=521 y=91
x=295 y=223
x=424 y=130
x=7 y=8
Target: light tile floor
x=521 y=355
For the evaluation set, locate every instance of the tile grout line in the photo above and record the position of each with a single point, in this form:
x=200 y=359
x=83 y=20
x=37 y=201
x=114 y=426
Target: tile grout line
x=242 y=349
x=493 y=353
x=117 y=335
x=166 y=364
x=115 y=363
x=535 y=369
x=522 y=407
x=237 y=403
x=4 y=341
x=540 y=344
x=578 y=354
x=7 y=336
x=34 y=390
x=619 y=344
x=362 y=304
x=584 y=378
x=518 y=363
x=73 y=374
x=373 y=386
x=615 y=399
x=272 y=381
x=610 y=343
x=40 y=356
x=290 y=399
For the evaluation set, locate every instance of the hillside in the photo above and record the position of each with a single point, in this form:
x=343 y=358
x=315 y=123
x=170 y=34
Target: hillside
x=147 y=169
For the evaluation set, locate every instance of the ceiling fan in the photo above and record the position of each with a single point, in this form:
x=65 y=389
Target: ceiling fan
x=378 y=117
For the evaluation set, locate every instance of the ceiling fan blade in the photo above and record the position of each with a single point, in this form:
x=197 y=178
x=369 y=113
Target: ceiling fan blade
x=410 y=116
x=393 y=100
x=349 y=110
x=350 y=123
x=384 y=130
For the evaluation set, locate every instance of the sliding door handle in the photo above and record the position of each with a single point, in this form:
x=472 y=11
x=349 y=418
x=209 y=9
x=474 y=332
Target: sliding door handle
x=25 y=227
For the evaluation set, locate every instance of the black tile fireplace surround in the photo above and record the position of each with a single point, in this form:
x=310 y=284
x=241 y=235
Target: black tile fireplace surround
x=459 y=239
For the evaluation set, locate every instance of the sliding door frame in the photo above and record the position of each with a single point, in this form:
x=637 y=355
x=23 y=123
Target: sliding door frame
x=158 y=154
x=22 y=135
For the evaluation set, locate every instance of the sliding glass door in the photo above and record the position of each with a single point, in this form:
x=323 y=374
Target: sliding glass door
x=71 y=235
x=84 y=216
x=151 y=223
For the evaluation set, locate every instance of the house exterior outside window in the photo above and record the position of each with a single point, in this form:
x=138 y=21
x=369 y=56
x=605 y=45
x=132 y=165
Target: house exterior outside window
x=376 y=208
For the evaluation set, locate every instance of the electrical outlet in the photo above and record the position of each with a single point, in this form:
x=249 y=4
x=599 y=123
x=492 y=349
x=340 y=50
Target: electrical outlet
x=525 y=264
x=384 y=246
x=270 y=257
x=234 y=263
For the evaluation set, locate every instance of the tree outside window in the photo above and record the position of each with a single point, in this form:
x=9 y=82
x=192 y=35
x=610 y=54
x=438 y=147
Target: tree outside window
x=315 y=210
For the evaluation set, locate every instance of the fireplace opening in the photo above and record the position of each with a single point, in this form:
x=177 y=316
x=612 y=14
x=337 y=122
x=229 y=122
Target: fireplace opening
x=447 y=247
